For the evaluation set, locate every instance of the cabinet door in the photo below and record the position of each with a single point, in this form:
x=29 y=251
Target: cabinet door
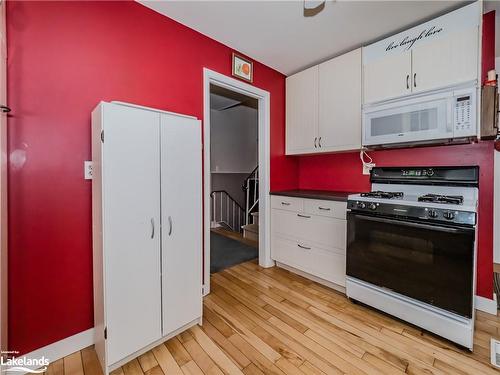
x=448 y=60
x=387 y=77
x=340 y=103
x=131 y=203
x=181 y=221
x=302 y=111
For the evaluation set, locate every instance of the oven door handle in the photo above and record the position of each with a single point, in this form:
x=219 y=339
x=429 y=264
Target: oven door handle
x=413 y=224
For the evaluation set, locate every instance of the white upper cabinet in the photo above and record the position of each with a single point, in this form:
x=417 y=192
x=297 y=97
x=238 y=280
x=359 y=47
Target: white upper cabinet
x=302 y=111
x=440 y=53
x=323 y=107
x=450 y=60
x=340 y=103
x=387 y=77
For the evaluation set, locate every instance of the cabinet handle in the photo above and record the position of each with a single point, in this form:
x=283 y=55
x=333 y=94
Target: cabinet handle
x=319 y=141
x=315 y=140
x=415 y=80
x=407 y=81
x=324 y=208
x=285 y=203
x=304 y=216
x=169 y=225
x=303 y=247
x=152 y=227
x=4 y=109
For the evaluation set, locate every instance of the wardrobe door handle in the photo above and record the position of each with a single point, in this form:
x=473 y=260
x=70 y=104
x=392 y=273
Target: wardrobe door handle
x=304 y=216
x=319 y=141
x=152 y=227
x=169 y=225
x=303 y=247
x=407 y=81
x=315 y=140
x=415 y=80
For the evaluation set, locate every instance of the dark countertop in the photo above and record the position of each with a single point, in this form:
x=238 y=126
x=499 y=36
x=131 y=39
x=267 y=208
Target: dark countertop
x=315 y=194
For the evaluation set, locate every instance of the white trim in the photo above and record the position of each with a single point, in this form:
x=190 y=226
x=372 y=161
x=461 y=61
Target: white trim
x=496 y=207
x=487 y=305
x=62 y=348
x=211 y=77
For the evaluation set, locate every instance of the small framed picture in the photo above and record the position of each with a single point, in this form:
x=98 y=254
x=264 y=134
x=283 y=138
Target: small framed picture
x=242 y=68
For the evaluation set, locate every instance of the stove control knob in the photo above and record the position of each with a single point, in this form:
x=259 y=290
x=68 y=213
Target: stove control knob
x=362 y=205
x=448 y=215
x=373 y=206
x=432 y=214
x=430 y=172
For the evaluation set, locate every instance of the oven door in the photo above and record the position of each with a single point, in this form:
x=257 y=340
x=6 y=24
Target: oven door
x=430 y=263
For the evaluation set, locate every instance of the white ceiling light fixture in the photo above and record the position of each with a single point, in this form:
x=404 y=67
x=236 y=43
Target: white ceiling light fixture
x=313 y=7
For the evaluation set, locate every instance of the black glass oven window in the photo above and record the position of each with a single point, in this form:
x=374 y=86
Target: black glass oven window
x=429 y=263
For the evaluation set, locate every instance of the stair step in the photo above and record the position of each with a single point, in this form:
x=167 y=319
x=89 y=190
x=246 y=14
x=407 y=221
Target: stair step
x=254 y=228
x=251 y=231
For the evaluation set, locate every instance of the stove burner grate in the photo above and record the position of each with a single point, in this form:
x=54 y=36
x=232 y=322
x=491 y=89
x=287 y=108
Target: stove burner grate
x=435 y=198
x=383 y=194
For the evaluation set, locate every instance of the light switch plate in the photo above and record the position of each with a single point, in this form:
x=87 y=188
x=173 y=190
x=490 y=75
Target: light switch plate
x=87 y=169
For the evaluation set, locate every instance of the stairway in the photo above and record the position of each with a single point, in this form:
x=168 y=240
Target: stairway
x=251 y=231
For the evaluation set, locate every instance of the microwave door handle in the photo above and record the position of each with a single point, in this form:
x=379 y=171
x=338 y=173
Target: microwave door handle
x=449 y=117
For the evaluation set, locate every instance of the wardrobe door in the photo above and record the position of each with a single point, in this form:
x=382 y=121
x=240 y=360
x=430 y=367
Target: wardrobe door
x=181 y=220
x=131 y=216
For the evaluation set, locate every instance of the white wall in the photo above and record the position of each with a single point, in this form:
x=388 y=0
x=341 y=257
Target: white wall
x=233 y=143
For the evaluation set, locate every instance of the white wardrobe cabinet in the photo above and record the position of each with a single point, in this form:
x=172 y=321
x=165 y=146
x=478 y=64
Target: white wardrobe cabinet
x=146 y=199
x=323 y=107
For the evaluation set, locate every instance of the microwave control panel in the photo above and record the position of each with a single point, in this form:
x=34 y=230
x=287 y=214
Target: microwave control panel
x=464 y=116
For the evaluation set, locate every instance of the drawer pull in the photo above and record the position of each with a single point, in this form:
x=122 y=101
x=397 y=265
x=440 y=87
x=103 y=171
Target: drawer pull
x=285 y=203
x=303 y=247
x=324 y=208
x=305 y=216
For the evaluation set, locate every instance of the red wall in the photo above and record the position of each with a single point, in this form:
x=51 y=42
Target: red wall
x=63 y=58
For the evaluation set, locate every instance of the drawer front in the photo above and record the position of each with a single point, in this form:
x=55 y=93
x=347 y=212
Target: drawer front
x=326 y=208
x=308 y=258
x=325 y=232
x=287 y=203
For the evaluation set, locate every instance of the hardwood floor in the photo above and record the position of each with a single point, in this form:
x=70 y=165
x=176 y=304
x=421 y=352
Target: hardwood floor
x=270 y=321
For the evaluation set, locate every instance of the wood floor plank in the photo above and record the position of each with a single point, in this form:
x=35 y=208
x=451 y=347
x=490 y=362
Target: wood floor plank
x=56 y=367
x=270 y=321
x=91 y=365
x=166 y=360
x=202 y=359
x=73 y=364
x=191 y=368
x=240 y=359
x=178 y=351
x=132 y=368
x=147 y=361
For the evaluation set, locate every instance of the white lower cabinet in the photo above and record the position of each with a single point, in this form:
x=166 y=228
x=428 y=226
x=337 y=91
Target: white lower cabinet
x=310 y=235
x=147 y=211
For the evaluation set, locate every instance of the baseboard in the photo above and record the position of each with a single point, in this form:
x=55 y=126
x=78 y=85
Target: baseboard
x=487 y=305
x=62 y=348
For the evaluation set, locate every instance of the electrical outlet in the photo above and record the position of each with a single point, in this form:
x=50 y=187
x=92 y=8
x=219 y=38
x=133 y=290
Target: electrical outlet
x=88 y=169
x=367 y=168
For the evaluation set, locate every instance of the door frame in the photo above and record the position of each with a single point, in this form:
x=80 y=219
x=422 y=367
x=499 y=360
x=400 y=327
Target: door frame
x=264 y=150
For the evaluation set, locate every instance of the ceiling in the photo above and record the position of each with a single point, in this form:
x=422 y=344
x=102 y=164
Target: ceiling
x=222 y=99
x=277 y=34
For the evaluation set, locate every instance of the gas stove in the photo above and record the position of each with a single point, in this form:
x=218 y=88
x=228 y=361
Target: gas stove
x=439 y=196
x=411 y=245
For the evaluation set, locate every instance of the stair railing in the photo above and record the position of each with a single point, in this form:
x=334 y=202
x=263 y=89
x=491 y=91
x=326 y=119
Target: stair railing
x=251 y=188
x=226 y=212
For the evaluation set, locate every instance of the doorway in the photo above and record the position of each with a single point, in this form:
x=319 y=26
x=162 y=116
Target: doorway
x=236 y=174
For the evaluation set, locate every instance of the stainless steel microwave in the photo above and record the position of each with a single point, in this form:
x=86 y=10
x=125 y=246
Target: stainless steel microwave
x=437 y=117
